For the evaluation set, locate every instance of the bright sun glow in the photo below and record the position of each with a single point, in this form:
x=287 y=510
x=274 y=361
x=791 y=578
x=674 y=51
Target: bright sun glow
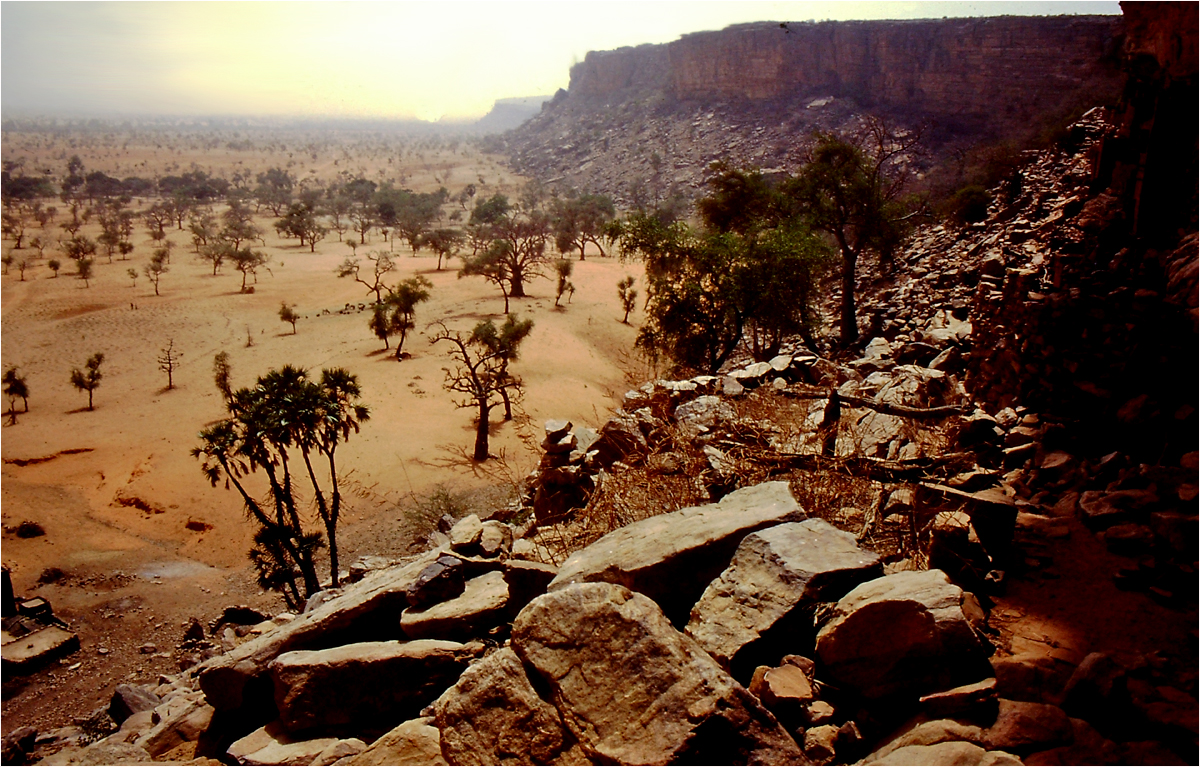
x=412 y=59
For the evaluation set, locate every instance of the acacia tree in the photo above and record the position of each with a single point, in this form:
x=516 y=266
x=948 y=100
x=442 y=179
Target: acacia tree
x=156 y=268
x=287 y=313
x=564 y=286
x=395 y=314
x=581 y=219
x=15 y=387
x=524 y=230
x=88 y=379
x=628 y=297
x=248 y=262
x=481 y=373
x=444 y=242
x=851 y=189
x=286 y=416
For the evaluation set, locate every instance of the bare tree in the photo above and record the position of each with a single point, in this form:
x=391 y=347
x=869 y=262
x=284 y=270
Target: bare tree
x=168 y=360
x=381 y=264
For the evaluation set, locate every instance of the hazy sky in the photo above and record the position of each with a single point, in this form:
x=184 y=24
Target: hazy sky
x=378 y=59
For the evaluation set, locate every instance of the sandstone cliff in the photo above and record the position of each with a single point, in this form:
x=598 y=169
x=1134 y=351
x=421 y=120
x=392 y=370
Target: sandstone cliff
x=647 y=120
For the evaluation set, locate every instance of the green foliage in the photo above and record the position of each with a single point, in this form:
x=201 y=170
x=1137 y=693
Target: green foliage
x=89 y=378
x=15 y=387
x=396 y=313
x=853 y=195
x=970 y=204
x=580 y=219
x=563 y=269
x=301 y=222
x=481 y=373
x=286 y=426
x=628 y=297
x=287 y=313
x=444 y=242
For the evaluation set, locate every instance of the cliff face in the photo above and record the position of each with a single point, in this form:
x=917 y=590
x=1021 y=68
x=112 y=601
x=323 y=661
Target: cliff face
x=646 y=121
x=972 y=69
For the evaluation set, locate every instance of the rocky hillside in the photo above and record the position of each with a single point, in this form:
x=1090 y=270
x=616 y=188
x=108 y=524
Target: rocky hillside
x=799 y=561
x=648 y=120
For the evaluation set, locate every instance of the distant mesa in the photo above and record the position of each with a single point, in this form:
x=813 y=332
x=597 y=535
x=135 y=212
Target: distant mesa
x=510 y=113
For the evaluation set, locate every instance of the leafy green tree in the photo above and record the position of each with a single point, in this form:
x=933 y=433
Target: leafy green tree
x=54 y=265
x=248 y=262
x=13 y=223
x=852 y=191
x=524 y=230
x=481 y=373
x=15 y=387
x=505 y=341
x=710 y=291
x=628 y=297
x=581 y=219
x=444 y=242
x=88 y=379
x=301 y=222
x=274 y=190
x=402 y=305
x=563 y=269
x=288 y=426
x=85 y=269
x=156 y=268
x=238 y=224
x=287 y=313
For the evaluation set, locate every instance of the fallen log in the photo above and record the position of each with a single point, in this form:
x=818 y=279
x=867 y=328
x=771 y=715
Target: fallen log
x=904 y=411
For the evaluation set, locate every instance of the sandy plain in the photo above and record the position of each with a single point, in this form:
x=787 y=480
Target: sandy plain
x=144 y=543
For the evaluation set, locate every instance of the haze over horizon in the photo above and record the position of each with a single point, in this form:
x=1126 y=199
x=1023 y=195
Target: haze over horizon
x=405 y=60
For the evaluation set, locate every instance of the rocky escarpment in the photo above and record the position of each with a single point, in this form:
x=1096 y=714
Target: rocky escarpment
x=656 y=115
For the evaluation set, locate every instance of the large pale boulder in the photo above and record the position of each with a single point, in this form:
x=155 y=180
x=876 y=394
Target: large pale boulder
x=493 y=715
x=182 y=720
x=672 y=557
x=365 y=610
x=272 y=745
x=365 y=686
x=904 y=634
x=414 y=742
x=775 y=578
x=633 y=690
x=481 y=606
x=954 y=752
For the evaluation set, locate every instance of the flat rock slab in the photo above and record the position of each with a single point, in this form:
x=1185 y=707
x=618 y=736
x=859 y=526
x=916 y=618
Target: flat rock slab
x=481 y=606
x=414 y=742
x=271 y=745
x=955 y=752
x=357 y=687
x=671 y=558
x=904 y=634
x=633 y=690
x=493 y=715
x=776 y=573
x=378 y=599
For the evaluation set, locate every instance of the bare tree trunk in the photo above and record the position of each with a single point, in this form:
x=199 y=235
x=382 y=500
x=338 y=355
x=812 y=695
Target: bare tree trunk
x=481 y=432
x=849 y=316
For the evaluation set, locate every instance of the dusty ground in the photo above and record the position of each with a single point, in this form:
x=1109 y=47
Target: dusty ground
x=145 y=543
